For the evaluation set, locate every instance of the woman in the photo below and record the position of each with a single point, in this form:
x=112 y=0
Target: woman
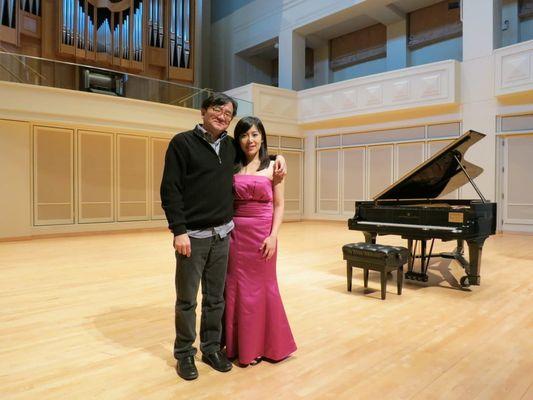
x=256 y=325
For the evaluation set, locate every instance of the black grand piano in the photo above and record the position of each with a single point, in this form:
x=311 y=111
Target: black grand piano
x=409 y=208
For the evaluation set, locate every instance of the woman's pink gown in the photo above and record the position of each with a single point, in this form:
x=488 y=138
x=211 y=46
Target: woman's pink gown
x=255 y=321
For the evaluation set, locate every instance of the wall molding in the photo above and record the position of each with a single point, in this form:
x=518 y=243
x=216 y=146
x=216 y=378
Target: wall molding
x=513 y=69
x=276 y=106
x=408 y=88
x=63 y=105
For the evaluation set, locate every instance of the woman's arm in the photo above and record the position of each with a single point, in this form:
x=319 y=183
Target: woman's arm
x=269 y=244
x=280 y=166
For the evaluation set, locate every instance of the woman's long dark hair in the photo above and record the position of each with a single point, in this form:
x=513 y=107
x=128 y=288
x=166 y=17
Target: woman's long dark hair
x=241 y=128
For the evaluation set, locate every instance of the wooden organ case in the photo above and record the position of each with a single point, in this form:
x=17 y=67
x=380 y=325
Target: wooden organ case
x=147 y=37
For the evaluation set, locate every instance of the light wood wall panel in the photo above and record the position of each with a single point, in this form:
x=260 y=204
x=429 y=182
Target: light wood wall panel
x=328 y=181
x=353 y=177
x=371 y=161
x=132 y=177
x=158 y=149
x=95 y=176
x=380 y=173
x=293 y=183
x=15 y=203
x=408 y=156
x=53 y=185
x=292 y=149
x=291 y=142
x=519 y=180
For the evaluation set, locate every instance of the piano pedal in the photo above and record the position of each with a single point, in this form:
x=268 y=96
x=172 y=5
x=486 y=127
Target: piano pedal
x=416 y=276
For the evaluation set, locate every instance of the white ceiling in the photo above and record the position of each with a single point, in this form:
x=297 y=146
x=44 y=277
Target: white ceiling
x=361 y=15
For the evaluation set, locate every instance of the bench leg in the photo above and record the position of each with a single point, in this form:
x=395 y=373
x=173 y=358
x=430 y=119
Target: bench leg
x=366 y=277
x=383 y=284
x=400 y=279
x=349 y=276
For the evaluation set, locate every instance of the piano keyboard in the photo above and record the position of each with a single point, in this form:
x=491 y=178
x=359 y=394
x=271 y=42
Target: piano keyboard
x=428 y=227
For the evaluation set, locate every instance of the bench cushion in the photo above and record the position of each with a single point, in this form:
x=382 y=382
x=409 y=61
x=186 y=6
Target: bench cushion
x=376 y=253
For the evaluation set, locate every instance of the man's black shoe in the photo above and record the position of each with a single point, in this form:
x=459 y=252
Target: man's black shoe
x=186 y=368
x=218 y=361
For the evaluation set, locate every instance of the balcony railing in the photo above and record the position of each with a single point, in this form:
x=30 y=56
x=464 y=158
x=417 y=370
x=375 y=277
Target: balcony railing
x=64 y=75
x=435 y=84
x=513 y=71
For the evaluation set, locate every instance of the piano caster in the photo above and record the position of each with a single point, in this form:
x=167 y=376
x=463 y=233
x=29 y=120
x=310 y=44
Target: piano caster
x=416 y=276
x=465 y=282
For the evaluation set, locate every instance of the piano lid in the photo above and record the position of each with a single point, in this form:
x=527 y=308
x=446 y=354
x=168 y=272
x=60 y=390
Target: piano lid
x=437 y=176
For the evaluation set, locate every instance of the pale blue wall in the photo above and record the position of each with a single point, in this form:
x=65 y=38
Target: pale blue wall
x=358 y=70
x=517 y=30
x=451 y=49
x=398 y=57
x=526 y=29
x=223 y=8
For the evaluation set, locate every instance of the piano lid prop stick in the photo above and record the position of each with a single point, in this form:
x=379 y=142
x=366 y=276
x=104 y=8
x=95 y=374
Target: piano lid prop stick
x=470 y=179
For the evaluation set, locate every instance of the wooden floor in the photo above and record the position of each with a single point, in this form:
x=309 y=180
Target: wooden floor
x=92 y=317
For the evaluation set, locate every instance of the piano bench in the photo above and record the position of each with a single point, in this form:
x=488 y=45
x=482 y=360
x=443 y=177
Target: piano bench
x=375 y=257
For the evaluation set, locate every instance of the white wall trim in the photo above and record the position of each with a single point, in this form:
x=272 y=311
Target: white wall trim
x=514 y=69
x=421 y=86
x=60 y=105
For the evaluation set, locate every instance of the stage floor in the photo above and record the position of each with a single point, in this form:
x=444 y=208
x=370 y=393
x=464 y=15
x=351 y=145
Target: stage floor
x=92 y=317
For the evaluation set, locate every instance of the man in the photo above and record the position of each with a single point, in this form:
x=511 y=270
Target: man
x=196 y=194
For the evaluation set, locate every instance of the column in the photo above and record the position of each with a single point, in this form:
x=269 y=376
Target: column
x=477 y=89
x=322 y=65
x=397 y=45
x=291 y=60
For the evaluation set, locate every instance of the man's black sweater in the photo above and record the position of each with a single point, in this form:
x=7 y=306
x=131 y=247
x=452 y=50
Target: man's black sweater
x=196 y=189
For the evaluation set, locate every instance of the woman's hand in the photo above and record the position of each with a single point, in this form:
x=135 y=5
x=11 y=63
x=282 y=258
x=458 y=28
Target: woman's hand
x=268 y=247
x=280 y=167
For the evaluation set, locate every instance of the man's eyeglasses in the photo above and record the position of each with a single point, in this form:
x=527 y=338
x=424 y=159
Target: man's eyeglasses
x=220 y=111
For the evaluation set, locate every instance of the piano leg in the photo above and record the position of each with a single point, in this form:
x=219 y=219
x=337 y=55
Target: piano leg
x=424 y=268
x=410 y=274
x=411 y=261
x=370 y=237
x=472 y=268
x=424 y=260
x=460 y=246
